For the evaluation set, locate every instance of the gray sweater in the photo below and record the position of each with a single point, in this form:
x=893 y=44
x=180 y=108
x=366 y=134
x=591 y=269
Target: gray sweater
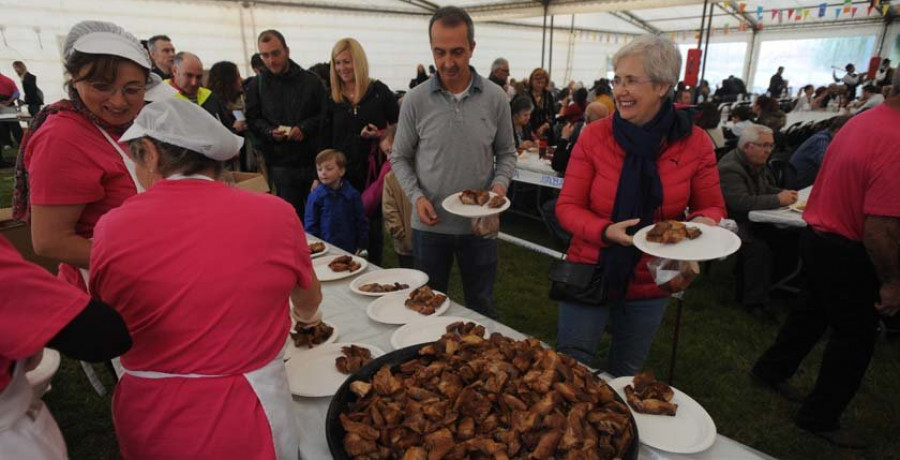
x=444 y=146
x=746 y=188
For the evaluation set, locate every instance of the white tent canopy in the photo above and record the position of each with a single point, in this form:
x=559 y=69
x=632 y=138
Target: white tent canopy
x=585 y=34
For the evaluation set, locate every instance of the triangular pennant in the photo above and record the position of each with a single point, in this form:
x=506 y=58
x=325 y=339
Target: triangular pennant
x=837 y=13
x=742 y=7
x=774 y=13
x=759 y=13
x=848 y=2
x=743 y=26
x=806 y=13
x=885 y=9
x=822 y=8
x=853 y=12
x=759 y=26
x=790 y=14
x=726 y=29
x=798 y=16
x=846 y=10
x=869 y=10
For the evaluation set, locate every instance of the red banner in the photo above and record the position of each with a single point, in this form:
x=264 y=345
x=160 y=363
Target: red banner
x=692 y=67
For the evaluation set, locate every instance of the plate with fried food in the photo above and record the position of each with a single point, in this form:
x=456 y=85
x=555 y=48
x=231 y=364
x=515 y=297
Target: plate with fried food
x=403 y=308
x=317 y=248
x=321 y=371
x=799 y=206
x=671 y=239
x=339 y=267
x=304 y=339
x=667 y=418
x=475 y=203
x=393 y=280
x=432 y=329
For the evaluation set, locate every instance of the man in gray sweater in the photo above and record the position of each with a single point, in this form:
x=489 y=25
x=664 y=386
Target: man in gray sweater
x=748 y=185
x=454 y=133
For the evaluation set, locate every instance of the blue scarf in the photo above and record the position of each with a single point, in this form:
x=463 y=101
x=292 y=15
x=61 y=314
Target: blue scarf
x=640 y=192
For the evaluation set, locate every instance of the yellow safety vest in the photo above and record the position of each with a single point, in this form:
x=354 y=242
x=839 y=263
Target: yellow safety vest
x=202 y=94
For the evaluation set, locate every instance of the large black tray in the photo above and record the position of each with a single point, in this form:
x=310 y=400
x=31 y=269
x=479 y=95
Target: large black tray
x=334 y=432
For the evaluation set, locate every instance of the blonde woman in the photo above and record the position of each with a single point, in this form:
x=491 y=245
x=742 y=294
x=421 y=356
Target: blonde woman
x=542 y=117
x=358 y=111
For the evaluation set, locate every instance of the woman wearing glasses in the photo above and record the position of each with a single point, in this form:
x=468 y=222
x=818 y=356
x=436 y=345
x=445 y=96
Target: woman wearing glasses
x=645 y=164
x=71 y=169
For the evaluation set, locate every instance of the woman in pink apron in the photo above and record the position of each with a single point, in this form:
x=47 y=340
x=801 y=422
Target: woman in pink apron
x=37 y=310
x=202 y=273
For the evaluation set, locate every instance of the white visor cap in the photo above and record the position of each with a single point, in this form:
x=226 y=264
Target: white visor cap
x=99 y=37
x=184 y=124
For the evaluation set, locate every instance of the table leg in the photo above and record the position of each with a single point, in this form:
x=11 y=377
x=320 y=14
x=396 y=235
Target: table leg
x=678 y=307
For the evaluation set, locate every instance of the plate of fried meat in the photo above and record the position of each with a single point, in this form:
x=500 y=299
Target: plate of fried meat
x=432 y=329
x=303 y=339
x=402 y=308
x=317 y=248
x=671 y=239
x=475 y=203
x=393 y=280
x=321 y=372
x=338 y=267
x=667 y=419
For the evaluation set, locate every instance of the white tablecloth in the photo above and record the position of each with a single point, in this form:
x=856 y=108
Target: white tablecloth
x=347 y=310
x=784 y=216
x=813 y=115
x=531 y=169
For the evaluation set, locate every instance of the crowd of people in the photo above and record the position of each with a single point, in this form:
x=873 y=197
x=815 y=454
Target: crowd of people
x=121 y=183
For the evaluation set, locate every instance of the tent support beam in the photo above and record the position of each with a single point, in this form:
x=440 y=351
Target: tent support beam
x=636 y=21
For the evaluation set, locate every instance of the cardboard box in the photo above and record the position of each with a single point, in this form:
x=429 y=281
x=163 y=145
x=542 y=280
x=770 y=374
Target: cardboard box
x=253 y=182
x=19 y=234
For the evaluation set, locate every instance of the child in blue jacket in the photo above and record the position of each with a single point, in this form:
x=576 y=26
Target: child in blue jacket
x=334 y=210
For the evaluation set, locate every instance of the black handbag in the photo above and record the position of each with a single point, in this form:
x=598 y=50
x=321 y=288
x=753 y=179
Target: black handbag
x=576 y=282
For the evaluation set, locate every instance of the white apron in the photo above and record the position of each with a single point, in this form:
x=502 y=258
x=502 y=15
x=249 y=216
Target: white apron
x=27 y=429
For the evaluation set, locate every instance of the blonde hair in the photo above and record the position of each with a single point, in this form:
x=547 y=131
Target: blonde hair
x=331 y=154
x=360 y=69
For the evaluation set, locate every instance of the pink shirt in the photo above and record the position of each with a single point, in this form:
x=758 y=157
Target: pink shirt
x=201 y=272
x=70 y=162
x=859 y=176
x=34 y=307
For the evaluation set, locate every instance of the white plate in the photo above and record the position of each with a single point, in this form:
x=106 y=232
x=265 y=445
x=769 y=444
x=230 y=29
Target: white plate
x=414 y=278
x=292 y=350
x=426 y=330
x=714 y=243
x=454 y=206
x=690 y=431
x=314 y=374
x=796 y=207
x=390 y=309
x=318 y=254
x=327 y=274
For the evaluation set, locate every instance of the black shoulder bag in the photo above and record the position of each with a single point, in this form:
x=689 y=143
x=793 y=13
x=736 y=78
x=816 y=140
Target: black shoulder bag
x=576 y=282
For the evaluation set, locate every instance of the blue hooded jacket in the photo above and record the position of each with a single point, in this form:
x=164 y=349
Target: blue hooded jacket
x=337 y=216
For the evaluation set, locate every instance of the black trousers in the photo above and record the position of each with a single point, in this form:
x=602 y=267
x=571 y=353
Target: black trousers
x=841 y=292
x=9 y=131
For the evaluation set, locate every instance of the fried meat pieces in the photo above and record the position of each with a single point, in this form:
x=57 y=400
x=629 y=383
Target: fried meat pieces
x=481 y=198
x=317 y=247
x=311 y=336
x=344 y=264
x=353 y=360
x=649 y=396
x=424 y=300
x=671 y=232
x=375 y=287
x=469 y=397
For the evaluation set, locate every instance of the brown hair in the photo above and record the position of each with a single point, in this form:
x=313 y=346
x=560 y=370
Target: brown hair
x=102 y=67
x=331 y=154
x=539 y=72
x=174 y=159
x=267 y=35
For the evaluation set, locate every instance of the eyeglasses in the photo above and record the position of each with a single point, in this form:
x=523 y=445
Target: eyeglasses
x=630 y=81
x=110 y=90
x=764 y=146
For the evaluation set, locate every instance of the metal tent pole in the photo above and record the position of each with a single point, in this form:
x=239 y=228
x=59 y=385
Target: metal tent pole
x=550 y=61
x=544 y=37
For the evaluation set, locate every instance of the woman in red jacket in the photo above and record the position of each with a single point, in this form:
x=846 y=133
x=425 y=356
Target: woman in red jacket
x=647 y=163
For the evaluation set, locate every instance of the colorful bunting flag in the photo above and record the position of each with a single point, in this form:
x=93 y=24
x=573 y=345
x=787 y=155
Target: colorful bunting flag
x=805 y=13
x=742 y=7
x=790 y=14
x=885 y=9
x=726 y=29
x=846 y=10
x=759 y=13
x=853 y=12
x=743 y=26
x=775 y=12
x=822 y=8
x=869 y=10
x=837 y=12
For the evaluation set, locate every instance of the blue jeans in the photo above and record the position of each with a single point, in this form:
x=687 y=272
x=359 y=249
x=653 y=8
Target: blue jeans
x=477 y=259
x=633 y=326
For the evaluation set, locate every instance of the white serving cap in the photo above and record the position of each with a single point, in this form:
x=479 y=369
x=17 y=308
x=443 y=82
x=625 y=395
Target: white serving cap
x=183 y=123
x=98 y=37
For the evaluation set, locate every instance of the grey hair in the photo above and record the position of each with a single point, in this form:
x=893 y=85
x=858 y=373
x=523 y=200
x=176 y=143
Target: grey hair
x=521 y=104
x=499 y=62
x=660 y=56
x=182 y=55
x=151 y=42
x=751 y=133
x=895 y=83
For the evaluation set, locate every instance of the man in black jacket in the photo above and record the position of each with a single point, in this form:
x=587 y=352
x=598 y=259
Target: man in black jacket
x=34 y=98
x=284 y=107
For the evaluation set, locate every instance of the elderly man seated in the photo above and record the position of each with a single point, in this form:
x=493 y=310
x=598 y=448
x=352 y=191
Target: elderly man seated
x=748 y=185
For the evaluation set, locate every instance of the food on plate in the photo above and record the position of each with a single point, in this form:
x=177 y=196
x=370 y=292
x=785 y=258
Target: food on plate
x=375 y=287
x=496 y=202
x=353 y=360
x=650 y=396
x=317 y=247
x=469 y=397
x=463 y=329
x=800 y=206
x=671 y=232
x=344 y=264
x=311 y=336
x=424 y=300
x=475 y=197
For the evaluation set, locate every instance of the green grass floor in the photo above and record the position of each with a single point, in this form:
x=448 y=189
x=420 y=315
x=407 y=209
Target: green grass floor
x=718 y=345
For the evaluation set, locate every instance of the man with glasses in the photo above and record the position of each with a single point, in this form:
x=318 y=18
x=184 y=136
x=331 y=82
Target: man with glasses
x=748 y=185
x=500 y=72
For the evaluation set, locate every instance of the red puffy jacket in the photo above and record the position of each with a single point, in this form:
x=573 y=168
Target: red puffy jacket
x=689 y=178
